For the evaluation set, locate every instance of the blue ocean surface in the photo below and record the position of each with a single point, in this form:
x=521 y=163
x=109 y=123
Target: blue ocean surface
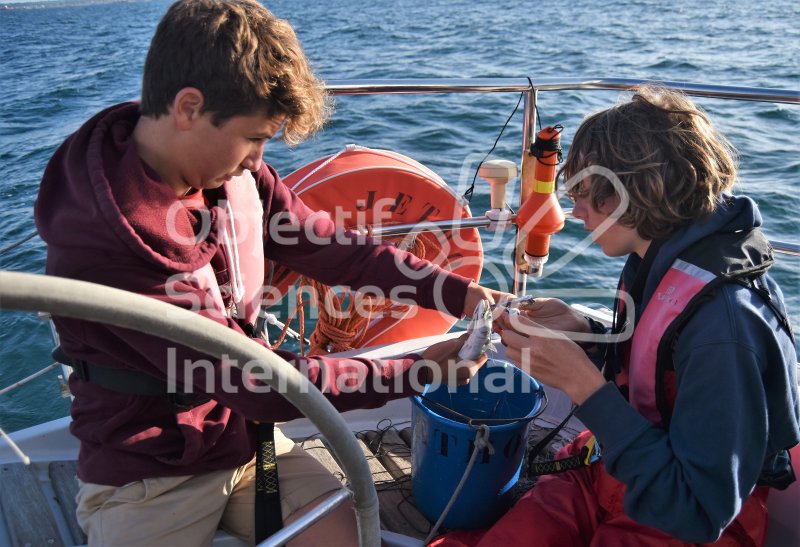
x=62 y=61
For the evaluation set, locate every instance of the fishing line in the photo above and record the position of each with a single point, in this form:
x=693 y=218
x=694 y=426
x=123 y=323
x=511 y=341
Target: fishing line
x=468 y=193
x=535 y=106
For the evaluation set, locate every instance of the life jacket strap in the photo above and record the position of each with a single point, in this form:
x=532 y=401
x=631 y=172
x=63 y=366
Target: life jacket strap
x=129 y=382
x=590 y=454
x=268 y=515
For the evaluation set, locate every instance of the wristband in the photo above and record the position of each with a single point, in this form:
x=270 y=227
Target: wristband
x=597 y=328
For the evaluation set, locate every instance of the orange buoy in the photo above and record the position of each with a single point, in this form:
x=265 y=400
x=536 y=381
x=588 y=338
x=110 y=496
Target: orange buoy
x=364 y=188
x=540 y=215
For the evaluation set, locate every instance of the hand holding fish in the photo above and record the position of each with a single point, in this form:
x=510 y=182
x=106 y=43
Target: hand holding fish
x=460 y=358
x=549 y=356
x=479 y=332
x=476 y=293
x=555 y=314
x=452 y=369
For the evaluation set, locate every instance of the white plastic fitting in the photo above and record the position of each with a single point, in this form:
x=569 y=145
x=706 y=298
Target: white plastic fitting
x=498 y=173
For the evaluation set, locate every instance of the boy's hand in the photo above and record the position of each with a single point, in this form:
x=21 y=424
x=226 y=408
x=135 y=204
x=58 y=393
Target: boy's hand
x=556 y=314
x=447 y=368
x=476 y=293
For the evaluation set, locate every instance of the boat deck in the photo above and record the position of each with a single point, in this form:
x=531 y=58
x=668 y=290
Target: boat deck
x=388 y=452
x=38 y=500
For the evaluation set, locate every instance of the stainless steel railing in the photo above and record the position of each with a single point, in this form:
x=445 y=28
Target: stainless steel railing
x=531 y=87
x=500 y=85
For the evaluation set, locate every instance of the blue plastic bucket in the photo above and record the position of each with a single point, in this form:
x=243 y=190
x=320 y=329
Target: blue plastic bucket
x=443 y=441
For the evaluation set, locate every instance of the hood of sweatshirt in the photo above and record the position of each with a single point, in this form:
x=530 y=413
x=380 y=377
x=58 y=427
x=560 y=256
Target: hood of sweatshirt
x=96 y=177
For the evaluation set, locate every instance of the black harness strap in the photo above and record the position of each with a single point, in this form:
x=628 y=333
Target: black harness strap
x=586 y=458
x=544 y=468
x=268 y=515
x=590 y=453
x=129 y=382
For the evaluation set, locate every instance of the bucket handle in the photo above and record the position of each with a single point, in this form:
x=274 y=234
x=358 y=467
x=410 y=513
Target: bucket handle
x=477 y=422
x=481 y=442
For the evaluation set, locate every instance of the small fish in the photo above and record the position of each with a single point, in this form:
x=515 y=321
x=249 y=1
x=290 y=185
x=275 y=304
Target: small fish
x=480 y=333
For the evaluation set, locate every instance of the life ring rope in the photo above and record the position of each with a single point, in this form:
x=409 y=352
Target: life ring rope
x=345 y=329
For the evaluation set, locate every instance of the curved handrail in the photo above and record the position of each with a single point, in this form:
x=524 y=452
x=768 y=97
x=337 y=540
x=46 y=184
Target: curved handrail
x=495 y=85
x=82 y=300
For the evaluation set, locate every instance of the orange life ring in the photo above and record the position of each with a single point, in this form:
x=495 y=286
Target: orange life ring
x=361 y=185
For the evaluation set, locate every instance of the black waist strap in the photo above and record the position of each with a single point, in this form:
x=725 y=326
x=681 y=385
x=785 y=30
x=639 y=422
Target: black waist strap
x=129 y=382
x=268 y=515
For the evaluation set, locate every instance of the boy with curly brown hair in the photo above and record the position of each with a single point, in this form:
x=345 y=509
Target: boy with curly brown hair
x=171 y=199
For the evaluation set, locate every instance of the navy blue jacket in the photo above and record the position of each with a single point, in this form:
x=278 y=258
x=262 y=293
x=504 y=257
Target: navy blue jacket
x=736 y=407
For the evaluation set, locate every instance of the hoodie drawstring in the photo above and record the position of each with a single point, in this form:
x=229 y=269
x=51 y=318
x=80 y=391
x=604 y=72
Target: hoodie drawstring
x=232 y=251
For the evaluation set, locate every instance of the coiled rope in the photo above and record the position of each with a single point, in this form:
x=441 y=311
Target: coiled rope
x=341 y=326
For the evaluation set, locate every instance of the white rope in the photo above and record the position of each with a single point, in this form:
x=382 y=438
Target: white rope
x=481 y=442
x=272 y=319
x=28 y=379
x=347 y=148
x=25 y=459
x=229 y=238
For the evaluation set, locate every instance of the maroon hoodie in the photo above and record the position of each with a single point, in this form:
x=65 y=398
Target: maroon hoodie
x=102 y=212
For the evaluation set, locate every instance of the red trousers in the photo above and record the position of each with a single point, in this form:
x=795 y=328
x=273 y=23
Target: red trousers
x=584 y=508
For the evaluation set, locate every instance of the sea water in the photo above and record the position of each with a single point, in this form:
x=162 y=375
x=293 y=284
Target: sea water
x=62 y=61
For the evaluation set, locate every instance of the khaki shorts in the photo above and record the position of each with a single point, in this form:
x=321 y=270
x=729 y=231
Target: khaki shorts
x=188 y=510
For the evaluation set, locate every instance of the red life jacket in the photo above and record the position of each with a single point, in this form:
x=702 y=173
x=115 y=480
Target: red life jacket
x=677 y=288
x=646 y=370
x=240 y=227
